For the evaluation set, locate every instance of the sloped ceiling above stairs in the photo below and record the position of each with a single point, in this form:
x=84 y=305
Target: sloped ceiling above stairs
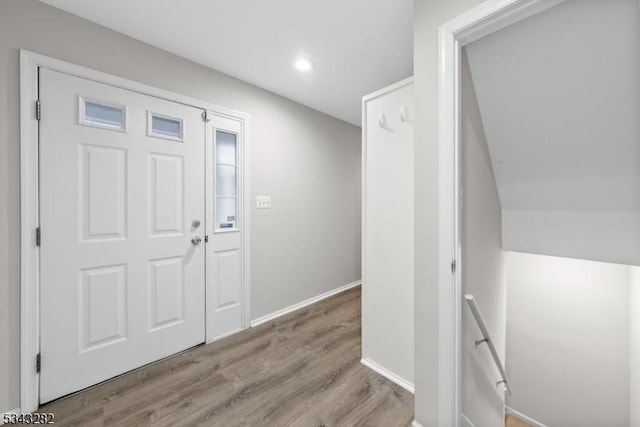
x=559 y=96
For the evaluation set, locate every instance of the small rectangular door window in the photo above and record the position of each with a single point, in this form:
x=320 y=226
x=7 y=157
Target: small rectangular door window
x=164 y=127
x=226 y=176
x=102 y=114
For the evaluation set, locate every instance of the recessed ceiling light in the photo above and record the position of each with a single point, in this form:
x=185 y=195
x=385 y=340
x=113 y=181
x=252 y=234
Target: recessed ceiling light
x=303 y=64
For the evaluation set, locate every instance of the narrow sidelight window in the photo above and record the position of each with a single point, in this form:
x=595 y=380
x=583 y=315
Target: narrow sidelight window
x=226 y=176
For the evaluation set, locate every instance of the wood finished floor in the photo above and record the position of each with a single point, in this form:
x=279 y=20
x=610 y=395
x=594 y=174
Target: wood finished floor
x=302 y=369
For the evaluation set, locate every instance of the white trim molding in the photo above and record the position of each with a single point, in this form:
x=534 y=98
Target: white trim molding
x=414 y=423
x=388 y=374
x=478 y=22
x=387 y=89
x=29 y=221
x=302 y=304
x=523 y=417
x=30 y=63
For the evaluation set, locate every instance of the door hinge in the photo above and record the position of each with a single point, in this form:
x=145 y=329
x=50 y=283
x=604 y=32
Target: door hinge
x=38 y=236
x=38 y=363
x=38 y=110
x=205 y=116
x=453 y=266
x=206 y=239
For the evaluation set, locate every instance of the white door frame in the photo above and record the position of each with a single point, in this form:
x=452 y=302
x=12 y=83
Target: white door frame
x=478 y=22
x=29 y=202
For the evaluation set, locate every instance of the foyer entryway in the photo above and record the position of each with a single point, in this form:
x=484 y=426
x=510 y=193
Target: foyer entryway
x=121 y=192
x=132 y=188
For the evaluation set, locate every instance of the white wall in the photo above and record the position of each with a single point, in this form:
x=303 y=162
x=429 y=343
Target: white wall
x=560 y=96
x=599 y=236
x=483 y=267
x=568 y=340
x=307 y=244
x=429 y=15
x=388 y=233
x=634 y=348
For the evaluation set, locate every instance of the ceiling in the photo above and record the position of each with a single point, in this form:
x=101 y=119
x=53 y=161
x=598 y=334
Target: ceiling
x=356 y=46
x=559 y=96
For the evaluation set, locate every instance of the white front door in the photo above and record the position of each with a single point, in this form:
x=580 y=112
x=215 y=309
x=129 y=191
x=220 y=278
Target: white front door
x=121 y=195
x=225 y=172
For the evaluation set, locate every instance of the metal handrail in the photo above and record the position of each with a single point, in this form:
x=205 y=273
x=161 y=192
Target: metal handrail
x=486 y=338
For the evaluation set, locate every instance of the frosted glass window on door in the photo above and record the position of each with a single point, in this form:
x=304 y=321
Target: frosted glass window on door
x=226 y=181
x=103 y=115
x=226 y=177
x=225 y=213
x=226 y=148
x=166 y=127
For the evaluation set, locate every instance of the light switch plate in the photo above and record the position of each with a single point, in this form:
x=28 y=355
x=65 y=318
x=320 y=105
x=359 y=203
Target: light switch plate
x=263 y=202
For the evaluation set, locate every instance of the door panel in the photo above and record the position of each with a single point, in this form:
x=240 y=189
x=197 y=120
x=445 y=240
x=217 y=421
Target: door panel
x=225 y=253
x=166 y=194
x=103 y=306
x=103 y=172
x=227 y=269
x=121 y=283
x=166 y=292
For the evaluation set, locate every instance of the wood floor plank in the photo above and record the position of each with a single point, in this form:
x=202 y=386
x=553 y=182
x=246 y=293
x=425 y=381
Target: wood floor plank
x=301 y=369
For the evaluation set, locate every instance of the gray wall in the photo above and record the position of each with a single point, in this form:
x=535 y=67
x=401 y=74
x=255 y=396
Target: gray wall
x=634 y=348
x=483 y=266
x=307 y=244
x=568 y=340
x=429 y=15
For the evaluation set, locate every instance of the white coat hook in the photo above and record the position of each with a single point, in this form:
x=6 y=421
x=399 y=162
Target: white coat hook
x=382 y=120
x=404 y=113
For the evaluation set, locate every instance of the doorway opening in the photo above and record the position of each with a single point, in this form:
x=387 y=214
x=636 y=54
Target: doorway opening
x=120 y=252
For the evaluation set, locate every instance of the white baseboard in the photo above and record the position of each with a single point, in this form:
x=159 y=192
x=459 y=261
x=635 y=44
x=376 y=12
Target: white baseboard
x=414 y=423
x=14 y=411
x=523 y=417
x=389 y=375
x=304 y=303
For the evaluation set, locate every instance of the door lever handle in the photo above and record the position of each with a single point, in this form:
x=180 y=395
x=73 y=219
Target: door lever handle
x=195 y=241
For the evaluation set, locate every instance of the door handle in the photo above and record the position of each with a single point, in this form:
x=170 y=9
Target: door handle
x=195 y=241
